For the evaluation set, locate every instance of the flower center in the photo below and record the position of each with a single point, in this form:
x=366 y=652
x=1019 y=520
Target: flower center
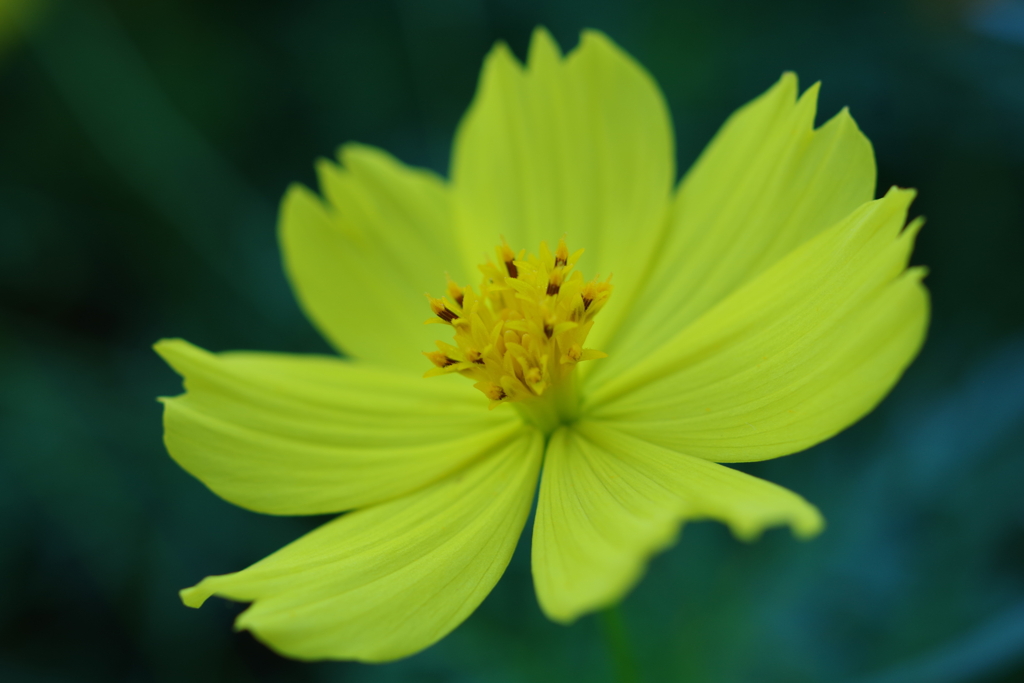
x=522 y=335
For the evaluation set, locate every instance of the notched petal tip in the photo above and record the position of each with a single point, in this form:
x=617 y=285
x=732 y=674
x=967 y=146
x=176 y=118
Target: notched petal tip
x=597 y=37
x=787 y=87
x=350 y=153
x=594 y=40
x=196 y=595
x=296 y=191
x=897 y=191
x=168 y=345
x=918 y=273
x=499 y=56
x=180 y=354
x=543 y=48
x=301 y=207
x=845 y=116
x=805 y=523
x=810 y=95
x=810 y=525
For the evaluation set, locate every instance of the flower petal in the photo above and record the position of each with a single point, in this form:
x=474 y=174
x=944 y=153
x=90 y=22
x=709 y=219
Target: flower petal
x=789 y=360
x=608 y=501
x=307 y=435
x=361 y=260
x=766 y=183
x=387 y=581
x=578 y=146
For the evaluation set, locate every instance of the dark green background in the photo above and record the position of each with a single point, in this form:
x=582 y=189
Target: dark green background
x=143 y=149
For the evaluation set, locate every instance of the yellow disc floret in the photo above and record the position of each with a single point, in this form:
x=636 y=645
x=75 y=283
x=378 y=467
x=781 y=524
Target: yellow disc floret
x=524 y=331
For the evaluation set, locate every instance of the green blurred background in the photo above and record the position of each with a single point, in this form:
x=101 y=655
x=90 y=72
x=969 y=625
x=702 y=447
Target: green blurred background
x=143 y=149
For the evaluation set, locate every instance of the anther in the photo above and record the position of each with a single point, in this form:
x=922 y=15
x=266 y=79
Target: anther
x=493 y=392
x=555 y=282
x=439 y=359
x=588 y=294
x=473 y=356
x=508 y=256
x=456 y=292
x=442 y=311
x=561 y=253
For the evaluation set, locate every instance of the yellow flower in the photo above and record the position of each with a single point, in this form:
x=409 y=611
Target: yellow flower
x=756 y=310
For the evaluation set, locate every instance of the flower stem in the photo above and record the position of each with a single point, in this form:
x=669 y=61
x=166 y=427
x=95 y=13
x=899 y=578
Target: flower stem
x=614 y=629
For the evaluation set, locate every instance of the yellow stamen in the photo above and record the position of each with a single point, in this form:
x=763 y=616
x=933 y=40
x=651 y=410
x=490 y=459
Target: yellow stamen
x=521 y=333
x=455 y=292
x=561 y=253
x=508 y=257
x=442 y=310
x=555 y=281
x=492 y=391
x=439 y=359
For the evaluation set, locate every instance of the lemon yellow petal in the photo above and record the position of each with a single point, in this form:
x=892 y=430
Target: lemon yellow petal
x=597 y=523
x=766 y=183
x=578 y=146
x=387 y=581
x=361 y=258
x=792 y=358
x=608 y=501
x=290 y=434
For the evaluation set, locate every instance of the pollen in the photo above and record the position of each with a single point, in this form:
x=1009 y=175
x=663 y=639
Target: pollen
x=522 y=331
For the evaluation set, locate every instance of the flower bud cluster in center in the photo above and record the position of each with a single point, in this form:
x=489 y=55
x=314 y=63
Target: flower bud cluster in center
x=524 y=331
